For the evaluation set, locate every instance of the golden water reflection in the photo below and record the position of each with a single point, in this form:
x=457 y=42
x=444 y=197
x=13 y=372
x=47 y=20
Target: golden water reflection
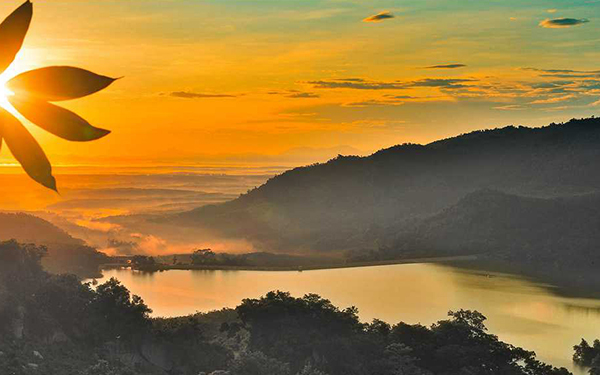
x=519 y=311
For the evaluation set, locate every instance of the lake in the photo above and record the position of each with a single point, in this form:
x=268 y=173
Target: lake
x=519 y=311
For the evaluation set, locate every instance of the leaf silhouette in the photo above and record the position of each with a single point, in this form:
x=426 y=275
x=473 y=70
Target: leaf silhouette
x=57 y=120
x=56 y=83
x=26 y=150
x=12 y=33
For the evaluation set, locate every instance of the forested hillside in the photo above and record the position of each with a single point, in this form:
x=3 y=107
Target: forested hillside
x=506 y=227
x=355 y=203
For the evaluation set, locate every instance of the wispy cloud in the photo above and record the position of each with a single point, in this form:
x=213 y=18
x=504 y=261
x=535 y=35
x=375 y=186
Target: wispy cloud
x=446 y=66
x=356 y=83
x=453 y=83
x=544 y=89
x=556 y=99
x=375 y=103
x=382 y=16
x=198 y=95
x=559 y=23
x=565 y=73
x=362 y=84
x=510 y=107
x=303 y=95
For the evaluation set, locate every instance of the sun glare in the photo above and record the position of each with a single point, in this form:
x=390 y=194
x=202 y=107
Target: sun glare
x=5 y=93
x=18 y=66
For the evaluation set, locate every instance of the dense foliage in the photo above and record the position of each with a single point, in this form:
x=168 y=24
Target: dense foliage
x=56 y=325
x=75 y=326
x=588 y=356
x=311 y=330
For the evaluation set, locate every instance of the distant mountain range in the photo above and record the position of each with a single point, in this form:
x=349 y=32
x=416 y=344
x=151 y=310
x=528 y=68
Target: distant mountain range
x=514 y=188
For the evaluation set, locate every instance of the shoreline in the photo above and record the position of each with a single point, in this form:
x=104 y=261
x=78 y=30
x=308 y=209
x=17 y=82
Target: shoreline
x=191 y=267
x=559 y=281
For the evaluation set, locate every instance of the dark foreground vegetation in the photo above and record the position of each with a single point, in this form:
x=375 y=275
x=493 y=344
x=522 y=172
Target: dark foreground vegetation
x=588 y=356
x=56 y=325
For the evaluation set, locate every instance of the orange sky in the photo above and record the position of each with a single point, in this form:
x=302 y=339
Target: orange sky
x=220 y=80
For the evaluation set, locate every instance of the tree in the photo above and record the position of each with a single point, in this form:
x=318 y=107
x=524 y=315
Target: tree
x=20 y=275
x=142 y=261
x=585 y=354
x=204 y=257
x=256 y=363
x=118 y=314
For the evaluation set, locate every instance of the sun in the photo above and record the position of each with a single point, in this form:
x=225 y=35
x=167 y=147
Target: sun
x=5 y=93
x=21 y=64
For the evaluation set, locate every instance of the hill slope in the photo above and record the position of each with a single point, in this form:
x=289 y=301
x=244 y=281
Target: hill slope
x=27 y=228
x=509 y=227
x=65 y=253
x=351 y=202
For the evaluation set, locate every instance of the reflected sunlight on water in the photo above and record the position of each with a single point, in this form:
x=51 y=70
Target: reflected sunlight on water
x=519 y=312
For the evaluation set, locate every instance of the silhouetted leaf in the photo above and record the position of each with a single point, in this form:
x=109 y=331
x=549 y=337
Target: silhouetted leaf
x=26 y=150
x=56 y=120
x=58 y=83
x=12 y=33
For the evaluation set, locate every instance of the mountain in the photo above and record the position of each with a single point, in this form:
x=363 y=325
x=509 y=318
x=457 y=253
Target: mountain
x=352 y=202
x=65 y=253
x=509 y=227
x=28 y=228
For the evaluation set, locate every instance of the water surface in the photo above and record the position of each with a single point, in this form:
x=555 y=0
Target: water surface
x=519 y=311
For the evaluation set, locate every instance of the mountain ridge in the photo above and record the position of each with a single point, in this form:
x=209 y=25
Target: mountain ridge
x=66 y=254
x=350 y=202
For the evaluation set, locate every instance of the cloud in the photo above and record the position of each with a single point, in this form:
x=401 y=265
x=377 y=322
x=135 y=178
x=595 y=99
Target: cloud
x=510 y=107
x=375 y=103
x=350 y=79
x=565 y=73
x=382 y=16
x=356 y=83
x=197 y=95
x=446 y=66
x=559 y=70
x=361 y=84
x=559 y=23
x=551 y=10
x=535 y=90
x=453 y=83
x=553 y=100
x=376 y=123
x=303 y=95
x=405 y=97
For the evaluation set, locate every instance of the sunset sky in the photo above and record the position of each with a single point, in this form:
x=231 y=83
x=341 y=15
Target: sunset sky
x=229 y=80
